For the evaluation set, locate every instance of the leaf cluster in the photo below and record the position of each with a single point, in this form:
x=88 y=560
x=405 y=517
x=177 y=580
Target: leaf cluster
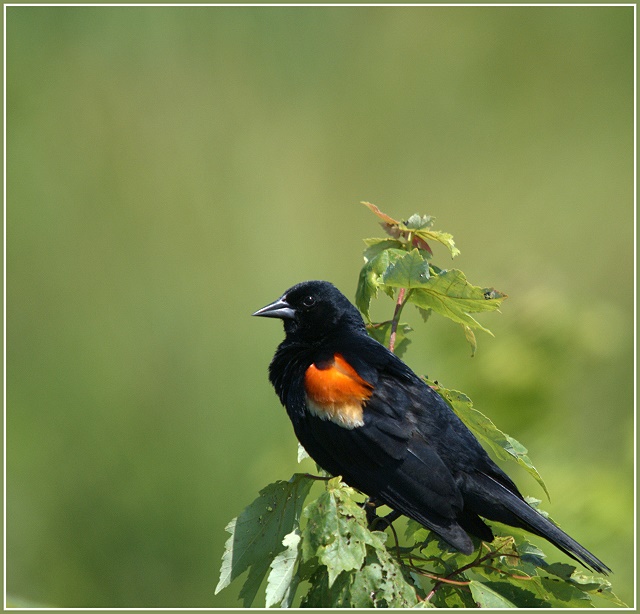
x=327 y=548
x=402 y=267
x=510 y=572
x=326 y=545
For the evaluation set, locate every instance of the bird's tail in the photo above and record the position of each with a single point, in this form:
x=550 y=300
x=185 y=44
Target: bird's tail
x=507 y=507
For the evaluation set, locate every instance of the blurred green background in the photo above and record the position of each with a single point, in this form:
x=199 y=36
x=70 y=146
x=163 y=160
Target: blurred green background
x=170 y=170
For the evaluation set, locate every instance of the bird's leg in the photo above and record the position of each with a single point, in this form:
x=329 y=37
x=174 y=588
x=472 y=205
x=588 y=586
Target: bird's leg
x=370 y=505
x=388 y=519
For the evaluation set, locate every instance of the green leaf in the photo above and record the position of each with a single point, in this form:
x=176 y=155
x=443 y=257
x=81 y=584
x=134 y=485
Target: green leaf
x=419 y=222
x=281 y=582
x=533 y=583
x=409 y=271
x=381 y=332
x=378 y=583
x=451 y=295
x=596 y=586
x=442 y=237
x=486 y=597
x=531 y=557
x=355 y=569
x=376 y=246
x=449 y=596
x=471 y=338
x=517 y=596
x=564 y=594
x=503 y=446
x=370 y=279
x=323 y=595
x=367 y=584
x=395 y=590
x=257 y=533
x=336 y=531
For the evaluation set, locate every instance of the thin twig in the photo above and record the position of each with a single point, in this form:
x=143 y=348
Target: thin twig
x=492 y=554
x=317 y=477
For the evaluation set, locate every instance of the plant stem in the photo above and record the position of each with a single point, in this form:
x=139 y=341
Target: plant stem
x=396 y=315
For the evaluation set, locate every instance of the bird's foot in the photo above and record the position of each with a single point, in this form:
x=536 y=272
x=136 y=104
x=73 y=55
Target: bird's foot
x=373 y=520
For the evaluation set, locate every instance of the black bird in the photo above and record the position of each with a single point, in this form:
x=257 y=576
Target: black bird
x=363 y=414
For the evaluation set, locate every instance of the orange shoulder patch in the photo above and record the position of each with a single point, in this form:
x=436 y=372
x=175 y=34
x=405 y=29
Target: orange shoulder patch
x=336 y=392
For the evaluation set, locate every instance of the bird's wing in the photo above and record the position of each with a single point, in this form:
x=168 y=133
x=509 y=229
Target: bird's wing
x=391 y=459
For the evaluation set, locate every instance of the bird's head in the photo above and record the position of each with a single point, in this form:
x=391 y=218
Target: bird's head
x=313 y=309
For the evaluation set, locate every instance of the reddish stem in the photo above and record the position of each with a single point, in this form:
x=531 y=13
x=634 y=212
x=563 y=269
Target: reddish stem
x=396 y=318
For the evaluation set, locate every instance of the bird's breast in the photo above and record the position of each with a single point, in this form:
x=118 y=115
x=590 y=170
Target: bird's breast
x=334 y=391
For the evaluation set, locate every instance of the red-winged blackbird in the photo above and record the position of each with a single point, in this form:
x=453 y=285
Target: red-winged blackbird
x=361 y=413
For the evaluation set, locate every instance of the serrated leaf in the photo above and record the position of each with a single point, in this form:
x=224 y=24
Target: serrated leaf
x=376 y=246
x=409 y=271
x=531 y=557
x=442 y=237
x=340 y=552
x=451 y=295
x=395 y=590
x=597 y=587
x=548 y=591
x=355 y=570
x=257 y=533
x=503 y=446
x=486 y=597
x=381 y=332
x=419 y=222
x=586 y=583
x=336 y=531
x=564 y=594
x=280 y=583
x=378 y=583
x=367 y=584
x=506 y=546
x=370 y=279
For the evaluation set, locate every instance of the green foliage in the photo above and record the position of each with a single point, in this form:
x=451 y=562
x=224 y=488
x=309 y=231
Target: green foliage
x=257 y=536
x=346 y=559
x=402 y=268
x=328 y=546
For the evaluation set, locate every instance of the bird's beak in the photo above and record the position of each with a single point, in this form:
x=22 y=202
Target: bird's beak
x=278 y=309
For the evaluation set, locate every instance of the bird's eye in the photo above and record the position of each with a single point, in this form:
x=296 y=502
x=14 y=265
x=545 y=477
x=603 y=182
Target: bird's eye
x=308 y=301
